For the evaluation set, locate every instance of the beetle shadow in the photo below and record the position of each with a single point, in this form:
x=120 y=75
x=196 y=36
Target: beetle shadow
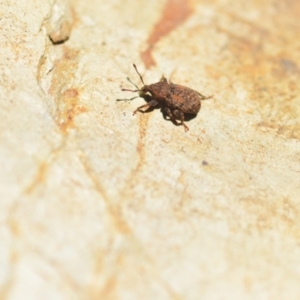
x=188 y=117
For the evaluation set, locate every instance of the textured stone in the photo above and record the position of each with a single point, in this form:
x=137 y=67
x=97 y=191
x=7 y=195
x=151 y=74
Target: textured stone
x=96 y=203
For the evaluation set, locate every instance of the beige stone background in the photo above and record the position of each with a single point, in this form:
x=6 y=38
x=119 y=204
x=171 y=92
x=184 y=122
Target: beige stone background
x=96 y=203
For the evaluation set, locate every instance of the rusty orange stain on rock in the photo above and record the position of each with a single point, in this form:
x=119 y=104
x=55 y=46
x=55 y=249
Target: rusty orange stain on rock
x=66 y=100
x=69 y=109
x=71 y=93
x=39 y=177
x=175 y=12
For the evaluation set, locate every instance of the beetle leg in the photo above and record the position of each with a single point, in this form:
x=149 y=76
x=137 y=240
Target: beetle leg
x=151 y=103
x=180 y=115
x=168 y=113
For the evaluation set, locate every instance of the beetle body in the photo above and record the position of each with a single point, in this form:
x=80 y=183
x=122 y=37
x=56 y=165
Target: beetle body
x=175 y=100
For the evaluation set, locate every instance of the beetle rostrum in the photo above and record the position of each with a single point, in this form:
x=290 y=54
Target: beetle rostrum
x=175 y=100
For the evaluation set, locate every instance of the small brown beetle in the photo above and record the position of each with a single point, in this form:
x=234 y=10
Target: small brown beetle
x=175 y=100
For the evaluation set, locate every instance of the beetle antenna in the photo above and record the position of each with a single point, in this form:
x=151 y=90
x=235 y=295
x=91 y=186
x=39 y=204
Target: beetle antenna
x=132 y=83
x=139 y=74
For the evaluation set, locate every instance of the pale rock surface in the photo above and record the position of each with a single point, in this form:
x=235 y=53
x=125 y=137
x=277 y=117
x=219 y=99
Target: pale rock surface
x=96 y=203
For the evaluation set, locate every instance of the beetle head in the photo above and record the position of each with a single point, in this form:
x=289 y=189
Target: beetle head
x=157 y=90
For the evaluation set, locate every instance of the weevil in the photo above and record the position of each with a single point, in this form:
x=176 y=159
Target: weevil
x=175 y=100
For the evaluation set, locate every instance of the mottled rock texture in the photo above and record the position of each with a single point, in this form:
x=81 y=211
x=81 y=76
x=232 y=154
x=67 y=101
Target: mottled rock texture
x=96 y=203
